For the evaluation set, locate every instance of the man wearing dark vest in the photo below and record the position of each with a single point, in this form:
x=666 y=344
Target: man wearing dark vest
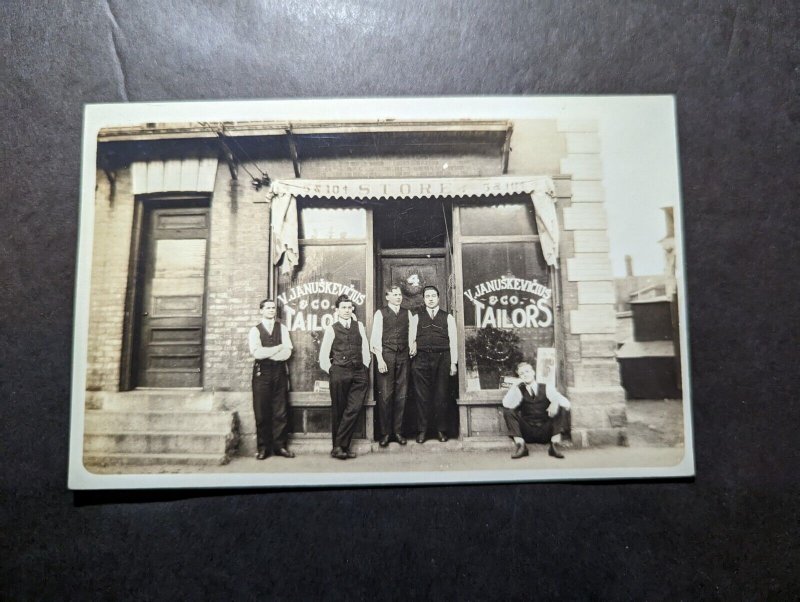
x=344 y=354
x=270 y=346
x=393 y=345
x=535 y=413
x=435 y=363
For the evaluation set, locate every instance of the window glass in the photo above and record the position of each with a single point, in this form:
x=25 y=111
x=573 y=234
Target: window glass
x=333 y=223
x=508 y=310
x=306 y=303
x=498 y=219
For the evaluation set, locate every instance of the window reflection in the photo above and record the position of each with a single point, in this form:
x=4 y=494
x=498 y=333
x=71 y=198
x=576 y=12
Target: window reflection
x=333 y=223
x=498 y=219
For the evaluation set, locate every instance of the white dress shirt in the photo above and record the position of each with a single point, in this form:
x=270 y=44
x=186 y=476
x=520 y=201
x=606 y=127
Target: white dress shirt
x=452 y=332
x=279 y=353
x=327 y=343
x=376 y=340
x=513 y=396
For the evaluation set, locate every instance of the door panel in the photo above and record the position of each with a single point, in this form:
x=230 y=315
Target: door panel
x=172 y=303
x=412 y=275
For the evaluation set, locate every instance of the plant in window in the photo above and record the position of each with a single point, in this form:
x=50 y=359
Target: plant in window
x=493 y=351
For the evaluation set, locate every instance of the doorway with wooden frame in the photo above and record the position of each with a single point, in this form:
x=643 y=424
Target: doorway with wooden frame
x=413 y=250
x=163 y=342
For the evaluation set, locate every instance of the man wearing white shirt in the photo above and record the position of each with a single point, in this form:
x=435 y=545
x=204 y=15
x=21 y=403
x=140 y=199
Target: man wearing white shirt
x=344 y=354
x=393 y=344
x=435 y=363
x=535 y=413
x=270 y=347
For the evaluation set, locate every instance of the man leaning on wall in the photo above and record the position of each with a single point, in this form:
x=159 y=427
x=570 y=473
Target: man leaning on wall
x=270 y=347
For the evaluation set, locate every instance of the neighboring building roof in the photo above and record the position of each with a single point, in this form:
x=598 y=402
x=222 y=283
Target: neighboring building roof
x=636 y=349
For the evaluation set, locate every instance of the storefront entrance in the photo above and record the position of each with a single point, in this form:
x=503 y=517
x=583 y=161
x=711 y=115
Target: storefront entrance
x=481 y=250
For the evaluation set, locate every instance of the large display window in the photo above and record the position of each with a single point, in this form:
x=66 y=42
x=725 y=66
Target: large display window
x=335 y=259
x=505 y=295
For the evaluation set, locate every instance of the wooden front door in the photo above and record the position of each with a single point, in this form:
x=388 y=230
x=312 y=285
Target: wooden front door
x=171 y=304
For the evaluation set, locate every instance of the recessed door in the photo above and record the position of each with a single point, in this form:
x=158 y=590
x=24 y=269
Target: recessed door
x=171 y=307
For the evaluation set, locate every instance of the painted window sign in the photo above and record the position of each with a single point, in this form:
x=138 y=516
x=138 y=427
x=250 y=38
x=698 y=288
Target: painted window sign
x=311 y=307
x=509 y=302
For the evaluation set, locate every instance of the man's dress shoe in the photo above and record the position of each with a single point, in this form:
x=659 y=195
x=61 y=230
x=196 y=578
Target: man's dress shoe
x=284 y=452
x=384 y=442
x=261 y=455
x=350 y=454
x=520 y=452
x=338 y=453
x=553 y=451
x=421 y=438
x=442 y=437
x=400 y=439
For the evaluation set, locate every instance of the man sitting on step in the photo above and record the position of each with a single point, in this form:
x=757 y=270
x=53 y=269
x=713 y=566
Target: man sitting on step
x=535 y=413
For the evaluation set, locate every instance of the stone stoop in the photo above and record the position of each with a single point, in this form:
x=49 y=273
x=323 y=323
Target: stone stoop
x=156 y=437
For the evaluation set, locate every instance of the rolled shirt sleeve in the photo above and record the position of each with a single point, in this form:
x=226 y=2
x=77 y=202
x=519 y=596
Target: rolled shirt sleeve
x=286 y=346
x=325 y=349
x=512 y=398
x=254 y=344
x=365 y=353
x=260 y=353
x=452 y=334
x=376 y=341
x=555 y=396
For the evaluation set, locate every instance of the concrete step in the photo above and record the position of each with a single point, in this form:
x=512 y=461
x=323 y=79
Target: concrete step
x=140 y=442
x=108 y=421
x=132 y=459
x=144 y=400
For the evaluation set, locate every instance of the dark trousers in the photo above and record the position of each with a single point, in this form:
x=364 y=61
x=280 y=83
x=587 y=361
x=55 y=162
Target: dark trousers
x=431 y=370
x=349 y=387
x=392 y=391
x=270 y=406
x=535 y=429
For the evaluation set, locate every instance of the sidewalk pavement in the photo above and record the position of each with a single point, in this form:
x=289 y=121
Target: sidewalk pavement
x=655 y=436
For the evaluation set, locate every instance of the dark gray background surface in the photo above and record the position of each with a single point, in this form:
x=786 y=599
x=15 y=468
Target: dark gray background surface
x=730 y=533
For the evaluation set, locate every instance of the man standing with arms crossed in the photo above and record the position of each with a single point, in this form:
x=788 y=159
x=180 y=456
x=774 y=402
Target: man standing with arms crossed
x=344 y=354
x=437 y=356
x=393 y=345
x=270 y=346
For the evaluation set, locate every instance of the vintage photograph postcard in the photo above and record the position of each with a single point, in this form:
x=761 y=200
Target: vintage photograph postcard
x=380 y=292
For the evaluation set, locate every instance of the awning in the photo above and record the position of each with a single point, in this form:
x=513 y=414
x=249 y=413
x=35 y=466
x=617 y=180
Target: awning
x=283 y=195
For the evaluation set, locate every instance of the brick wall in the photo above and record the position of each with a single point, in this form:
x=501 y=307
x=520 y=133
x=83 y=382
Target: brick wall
x=113 y=223
x=238 y=275
x=403 y=166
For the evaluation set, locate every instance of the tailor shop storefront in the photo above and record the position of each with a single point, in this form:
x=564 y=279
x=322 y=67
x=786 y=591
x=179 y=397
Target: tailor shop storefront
x=490 y=245
x=188 y=239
